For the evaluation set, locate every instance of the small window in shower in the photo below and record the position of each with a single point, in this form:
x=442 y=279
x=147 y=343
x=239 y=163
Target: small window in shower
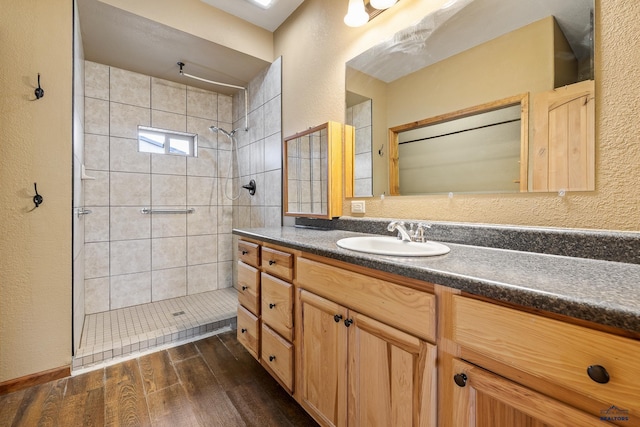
x=161 y=141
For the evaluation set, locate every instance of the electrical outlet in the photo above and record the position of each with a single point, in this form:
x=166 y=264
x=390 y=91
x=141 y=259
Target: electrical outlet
x=357 y=206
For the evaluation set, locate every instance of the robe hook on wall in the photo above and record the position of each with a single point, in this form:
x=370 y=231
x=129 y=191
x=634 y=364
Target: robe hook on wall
x=37 y=199
x=39 y=92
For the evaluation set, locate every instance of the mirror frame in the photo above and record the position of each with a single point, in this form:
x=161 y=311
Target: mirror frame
x=522 y=100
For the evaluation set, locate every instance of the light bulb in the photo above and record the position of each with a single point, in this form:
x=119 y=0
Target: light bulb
x=356 y=15
x=382 y=4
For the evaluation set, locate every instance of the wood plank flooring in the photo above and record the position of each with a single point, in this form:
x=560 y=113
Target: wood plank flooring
x=211 y=382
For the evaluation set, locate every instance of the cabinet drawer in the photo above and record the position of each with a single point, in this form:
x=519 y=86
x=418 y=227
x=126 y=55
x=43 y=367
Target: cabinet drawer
x=277 y=305
x=277 y=355
x=277 y=263
x=249 y=287
x=551 y=349
x=407 y=309
x=249 y=331
x=249 y=253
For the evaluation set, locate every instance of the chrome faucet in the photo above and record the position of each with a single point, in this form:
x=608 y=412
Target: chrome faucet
x=402 y=232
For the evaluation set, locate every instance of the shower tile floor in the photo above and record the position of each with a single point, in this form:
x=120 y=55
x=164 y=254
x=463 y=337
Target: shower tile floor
x=128 y=331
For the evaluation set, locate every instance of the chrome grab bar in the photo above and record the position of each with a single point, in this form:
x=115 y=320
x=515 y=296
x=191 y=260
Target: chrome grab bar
x=167 y=211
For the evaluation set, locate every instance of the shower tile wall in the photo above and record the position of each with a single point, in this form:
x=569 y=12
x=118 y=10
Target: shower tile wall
x=260 y=150
x=132 y=258
x=359 y=116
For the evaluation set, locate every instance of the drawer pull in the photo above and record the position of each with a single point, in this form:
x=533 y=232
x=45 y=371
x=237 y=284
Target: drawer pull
x=348 y=322
x=271 y=262
x=460 y=380
x=245 y=252
x=272 y=306
x=272 y=358
x=598 y=373
x=244 y=288
x=243 y=330
x=337 y=317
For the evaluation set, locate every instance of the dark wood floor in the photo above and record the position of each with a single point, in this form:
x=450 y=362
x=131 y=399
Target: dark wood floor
x=211 y=382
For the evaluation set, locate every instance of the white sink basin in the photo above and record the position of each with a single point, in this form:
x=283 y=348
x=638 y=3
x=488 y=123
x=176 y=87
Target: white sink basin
x=389 y=245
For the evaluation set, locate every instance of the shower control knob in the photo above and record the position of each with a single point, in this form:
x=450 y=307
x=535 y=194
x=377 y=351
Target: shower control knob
x=251 y=186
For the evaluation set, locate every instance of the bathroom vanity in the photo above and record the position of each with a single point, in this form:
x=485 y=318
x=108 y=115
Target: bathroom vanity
x=477 y=337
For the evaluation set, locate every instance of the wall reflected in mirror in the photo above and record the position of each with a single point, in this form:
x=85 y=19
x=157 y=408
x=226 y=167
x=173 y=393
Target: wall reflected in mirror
x=471 y=53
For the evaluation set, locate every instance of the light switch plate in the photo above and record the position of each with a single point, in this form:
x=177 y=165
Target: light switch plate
x=357 y=206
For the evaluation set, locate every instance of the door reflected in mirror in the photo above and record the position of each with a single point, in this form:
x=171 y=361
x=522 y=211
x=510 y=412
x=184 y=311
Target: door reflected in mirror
x=453 y=60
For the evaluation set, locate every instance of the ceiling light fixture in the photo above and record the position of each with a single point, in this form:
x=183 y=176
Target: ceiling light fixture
x=265 y=4
x=356 y=15
x=382 y=4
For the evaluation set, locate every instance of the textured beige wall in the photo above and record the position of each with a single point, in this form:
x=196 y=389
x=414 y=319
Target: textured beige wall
x=198 y=18
x=35 y=146
x=316 y=44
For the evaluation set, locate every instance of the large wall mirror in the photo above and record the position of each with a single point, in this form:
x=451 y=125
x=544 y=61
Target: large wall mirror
x=463 y=56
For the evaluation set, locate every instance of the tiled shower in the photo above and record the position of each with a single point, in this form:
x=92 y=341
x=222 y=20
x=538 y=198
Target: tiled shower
x=140 y=262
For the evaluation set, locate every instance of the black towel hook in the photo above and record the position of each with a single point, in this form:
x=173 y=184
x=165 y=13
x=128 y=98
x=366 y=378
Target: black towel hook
x=37 y=199
x=39 y=91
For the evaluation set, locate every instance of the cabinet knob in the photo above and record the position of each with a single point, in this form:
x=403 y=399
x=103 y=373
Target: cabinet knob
x=598 y=373
x=271 y=305
x=271 y=262
x=272 y=358
x=348 y=322
x=244 y=288
x=243 y=330
x=337 y=317
x=245 y=252
x=460 y=380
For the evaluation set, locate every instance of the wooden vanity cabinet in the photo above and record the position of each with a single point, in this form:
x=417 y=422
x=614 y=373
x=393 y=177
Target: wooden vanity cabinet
x=356 y=370
x=515 y=368
x=265 y=313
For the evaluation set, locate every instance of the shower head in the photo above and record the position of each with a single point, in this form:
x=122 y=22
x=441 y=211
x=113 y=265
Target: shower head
x=216 y=129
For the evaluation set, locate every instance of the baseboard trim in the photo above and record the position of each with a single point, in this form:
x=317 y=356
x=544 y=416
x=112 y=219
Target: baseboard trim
x=16 y=384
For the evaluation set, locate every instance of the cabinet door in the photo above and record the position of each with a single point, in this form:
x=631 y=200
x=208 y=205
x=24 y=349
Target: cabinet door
x=483 y=399
x=277 y=305
x=564 y=138
x=322 y=356
x=249 y=287
x=392 y=376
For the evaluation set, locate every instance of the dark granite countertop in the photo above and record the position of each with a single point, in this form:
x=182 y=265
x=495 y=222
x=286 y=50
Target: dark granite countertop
x=604 y=292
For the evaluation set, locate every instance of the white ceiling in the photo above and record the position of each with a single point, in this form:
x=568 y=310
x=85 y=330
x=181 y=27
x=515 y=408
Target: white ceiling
x=124 y=40
x=269 y=19
x=468 y=23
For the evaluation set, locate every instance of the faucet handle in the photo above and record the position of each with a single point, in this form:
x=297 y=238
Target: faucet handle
x=419 y=233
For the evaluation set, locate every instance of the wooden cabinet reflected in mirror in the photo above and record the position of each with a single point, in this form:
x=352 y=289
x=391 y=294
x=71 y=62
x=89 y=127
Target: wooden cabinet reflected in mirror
x=314 y=168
